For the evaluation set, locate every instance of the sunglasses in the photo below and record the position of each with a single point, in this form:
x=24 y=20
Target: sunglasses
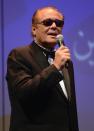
x=49 y=22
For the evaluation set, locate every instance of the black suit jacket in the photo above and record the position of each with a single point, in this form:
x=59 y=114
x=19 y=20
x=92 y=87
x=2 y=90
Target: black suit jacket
x=37 y=100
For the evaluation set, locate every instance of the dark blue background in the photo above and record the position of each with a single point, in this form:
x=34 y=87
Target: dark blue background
x=15 y=30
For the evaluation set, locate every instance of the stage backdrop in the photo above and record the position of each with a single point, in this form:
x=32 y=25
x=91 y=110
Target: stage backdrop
x=15 y=31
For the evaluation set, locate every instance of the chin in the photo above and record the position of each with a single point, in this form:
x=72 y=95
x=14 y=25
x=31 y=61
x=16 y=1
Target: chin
x=51 y=44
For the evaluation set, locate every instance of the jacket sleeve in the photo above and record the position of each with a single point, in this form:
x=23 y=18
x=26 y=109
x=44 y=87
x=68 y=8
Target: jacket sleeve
x=24 y=81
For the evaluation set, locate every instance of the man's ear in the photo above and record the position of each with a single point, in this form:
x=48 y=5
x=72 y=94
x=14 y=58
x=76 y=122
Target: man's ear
x=33 y=31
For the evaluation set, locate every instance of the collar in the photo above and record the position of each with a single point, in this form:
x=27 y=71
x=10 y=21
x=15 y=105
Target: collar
x=43 y=48
x=46 y=52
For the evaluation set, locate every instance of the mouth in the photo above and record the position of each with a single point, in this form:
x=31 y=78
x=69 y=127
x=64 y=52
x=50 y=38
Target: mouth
x=52 y=34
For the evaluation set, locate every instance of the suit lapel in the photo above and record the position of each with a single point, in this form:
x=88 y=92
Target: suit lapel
x=38 y=56
x=67 y=81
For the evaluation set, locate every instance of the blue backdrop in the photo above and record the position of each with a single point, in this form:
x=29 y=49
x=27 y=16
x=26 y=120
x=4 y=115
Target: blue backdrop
x=15 y=30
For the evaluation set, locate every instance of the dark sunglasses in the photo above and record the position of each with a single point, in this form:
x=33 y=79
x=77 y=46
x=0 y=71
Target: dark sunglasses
x=49 y=22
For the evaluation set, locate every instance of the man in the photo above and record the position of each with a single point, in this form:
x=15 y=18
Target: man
x=42 y=92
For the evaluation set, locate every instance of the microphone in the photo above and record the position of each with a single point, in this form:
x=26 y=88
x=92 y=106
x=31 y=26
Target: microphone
x=60 y=41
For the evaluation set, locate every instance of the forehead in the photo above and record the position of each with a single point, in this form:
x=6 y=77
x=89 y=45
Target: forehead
x=49 y=13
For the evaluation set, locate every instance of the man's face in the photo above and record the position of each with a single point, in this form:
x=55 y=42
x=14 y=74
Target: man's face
x=48 y=26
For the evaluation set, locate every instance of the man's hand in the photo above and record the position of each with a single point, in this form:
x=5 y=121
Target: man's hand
x=62 y=55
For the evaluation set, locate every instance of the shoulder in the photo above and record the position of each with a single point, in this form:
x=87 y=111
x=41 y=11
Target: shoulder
x=22 y=50
x=21 y=56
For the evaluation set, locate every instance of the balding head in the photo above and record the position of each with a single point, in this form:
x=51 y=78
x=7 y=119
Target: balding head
x=39 y=11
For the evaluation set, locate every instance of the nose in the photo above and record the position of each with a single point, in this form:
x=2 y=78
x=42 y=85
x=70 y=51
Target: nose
x=53 y=25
